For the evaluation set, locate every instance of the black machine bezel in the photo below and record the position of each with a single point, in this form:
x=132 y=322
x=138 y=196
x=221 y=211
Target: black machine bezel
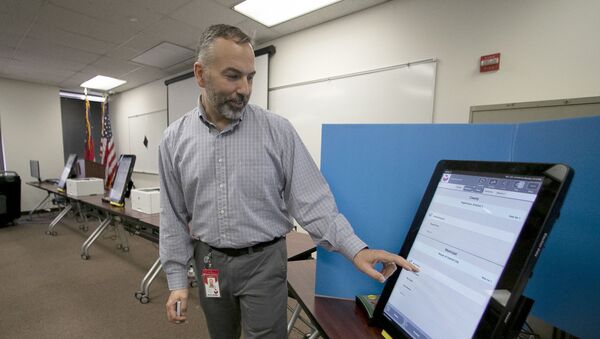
x=120 y=191
x=518 y=269
x=67 y=171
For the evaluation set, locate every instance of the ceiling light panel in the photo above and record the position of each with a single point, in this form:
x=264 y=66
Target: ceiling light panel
x=273 y=12
x=102 y=83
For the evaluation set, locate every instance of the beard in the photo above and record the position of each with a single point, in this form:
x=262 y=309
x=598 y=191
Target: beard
x=231 y=106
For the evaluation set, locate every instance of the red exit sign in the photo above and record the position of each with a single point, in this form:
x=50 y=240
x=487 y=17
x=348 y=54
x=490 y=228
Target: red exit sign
x=489 y=63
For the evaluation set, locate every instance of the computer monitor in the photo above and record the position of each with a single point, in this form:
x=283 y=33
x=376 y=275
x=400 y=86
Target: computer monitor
x=34 y=170
x=120 y=185
x=67 y=171
x=476 y=236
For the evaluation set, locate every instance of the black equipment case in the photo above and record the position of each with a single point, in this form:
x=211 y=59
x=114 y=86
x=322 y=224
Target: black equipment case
x=10 y=197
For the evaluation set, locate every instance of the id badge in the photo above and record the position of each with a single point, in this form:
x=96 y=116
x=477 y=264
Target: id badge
x=210 y=278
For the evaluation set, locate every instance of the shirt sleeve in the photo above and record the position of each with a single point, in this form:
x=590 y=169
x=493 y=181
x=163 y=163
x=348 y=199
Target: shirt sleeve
x=310 y=201
x=175 y=242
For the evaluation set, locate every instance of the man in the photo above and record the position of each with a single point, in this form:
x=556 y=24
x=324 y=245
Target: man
x=232 y=177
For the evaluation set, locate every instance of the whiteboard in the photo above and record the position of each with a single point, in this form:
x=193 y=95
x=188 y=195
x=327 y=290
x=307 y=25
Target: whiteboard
x=149 y=126
x=183 y=95
x=402 y=94
x=260 y=83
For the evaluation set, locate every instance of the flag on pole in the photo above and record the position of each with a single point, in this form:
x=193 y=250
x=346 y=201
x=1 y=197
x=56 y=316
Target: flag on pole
x=108 y=157
x=89 y=142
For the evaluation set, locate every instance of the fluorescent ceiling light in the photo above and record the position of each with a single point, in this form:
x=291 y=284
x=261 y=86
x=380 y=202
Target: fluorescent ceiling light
x=273 y=12
x=81 y=96
x=102 y=83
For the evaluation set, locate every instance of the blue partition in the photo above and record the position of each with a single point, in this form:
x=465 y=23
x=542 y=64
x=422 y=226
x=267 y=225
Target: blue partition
x=566 y=278
x=378 y=174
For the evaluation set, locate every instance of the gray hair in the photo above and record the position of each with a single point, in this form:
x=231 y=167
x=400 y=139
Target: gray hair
x=207 y=38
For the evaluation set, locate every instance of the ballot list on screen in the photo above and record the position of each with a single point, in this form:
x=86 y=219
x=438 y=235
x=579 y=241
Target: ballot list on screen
x=462 y=246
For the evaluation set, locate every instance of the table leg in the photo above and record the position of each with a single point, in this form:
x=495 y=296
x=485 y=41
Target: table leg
x=143 y=294
x=85 y=248
x=122 y=235
x=83 y=216
x=293 y=319
x=58 y=219
x=39 y=205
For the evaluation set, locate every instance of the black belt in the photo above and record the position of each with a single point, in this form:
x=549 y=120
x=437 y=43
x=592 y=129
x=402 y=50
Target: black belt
x=236 y=252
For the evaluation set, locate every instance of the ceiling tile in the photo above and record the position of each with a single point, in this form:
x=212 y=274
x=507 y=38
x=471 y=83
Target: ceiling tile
x=185 y=66
x=21 y=11
x=123 y=53
x=40 y=61
x=74 y=81
x=6 y=52
x=91 y=8
x=50 y=50
x=30 y=71
x=120 y=12
x=33 y=78
x=111 y=67
x=12 y=29
x=160 y=6
x=144 y=75
x=229 y=3
x=72 y=21
x=164 y=55
x=142 y=42
x=69 y=39
x=202 y=14
x=169 y=30
x=4 y=62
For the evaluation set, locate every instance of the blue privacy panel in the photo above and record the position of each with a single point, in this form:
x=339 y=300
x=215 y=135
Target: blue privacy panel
x=378 y=174
x=565 y=284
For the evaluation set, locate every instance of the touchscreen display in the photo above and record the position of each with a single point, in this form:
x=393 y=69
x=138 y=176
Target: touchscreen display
x=34 y=169
x=67 y=170
x=121 y=179
x=462 y=247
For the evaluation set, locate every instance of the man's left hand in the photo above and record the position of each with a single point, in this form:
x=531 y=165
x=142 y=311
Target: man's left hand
x=366 y=259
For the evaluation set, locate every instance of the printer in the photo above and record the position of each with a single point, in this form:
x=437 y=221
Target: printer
x=85 y=186
x=146 y=200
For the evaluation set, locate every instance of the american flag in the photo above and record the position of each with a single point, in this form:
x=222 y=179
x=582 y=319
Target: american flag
x=108 y=157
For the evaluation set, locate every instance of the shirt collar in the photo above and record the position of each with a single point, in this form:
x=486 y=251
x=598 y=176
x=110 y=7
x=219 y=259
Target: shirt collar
x=202 y=116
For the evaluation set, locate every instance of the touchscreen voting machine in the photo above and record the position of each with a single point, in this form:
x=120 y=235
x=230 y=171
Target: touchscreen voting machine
x=116 y=196
x=476 y=236
x=34 y=169
x=67 y=172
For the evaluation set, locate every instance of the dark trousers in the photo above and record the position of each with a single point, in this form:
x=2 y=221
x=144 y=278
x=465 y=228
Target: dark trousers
x=253 y=293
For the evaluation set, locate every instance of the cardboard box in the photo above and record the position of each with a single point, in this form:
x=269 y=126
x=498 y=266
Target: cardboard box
x=85 y=186
x=146 y=200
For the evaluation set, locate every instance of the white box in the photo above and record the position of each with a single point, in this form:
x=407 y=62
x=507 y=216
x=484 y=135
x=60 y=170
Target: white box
x=146 y=200
x=85 y=186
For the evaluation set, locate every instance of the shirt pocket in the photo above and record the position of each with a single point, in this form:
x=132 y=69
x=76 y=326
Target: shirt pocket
x=257 y=181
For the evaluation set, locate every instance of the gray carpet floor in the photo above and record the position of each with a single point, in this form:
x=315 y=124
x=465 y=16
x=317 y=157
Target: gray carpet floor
x=48 y=291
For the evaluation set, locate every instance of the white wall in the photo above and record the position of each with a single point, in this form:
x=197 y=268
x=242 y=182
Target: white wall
x=549 y=49
x=31 y=123
x=148 y=98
